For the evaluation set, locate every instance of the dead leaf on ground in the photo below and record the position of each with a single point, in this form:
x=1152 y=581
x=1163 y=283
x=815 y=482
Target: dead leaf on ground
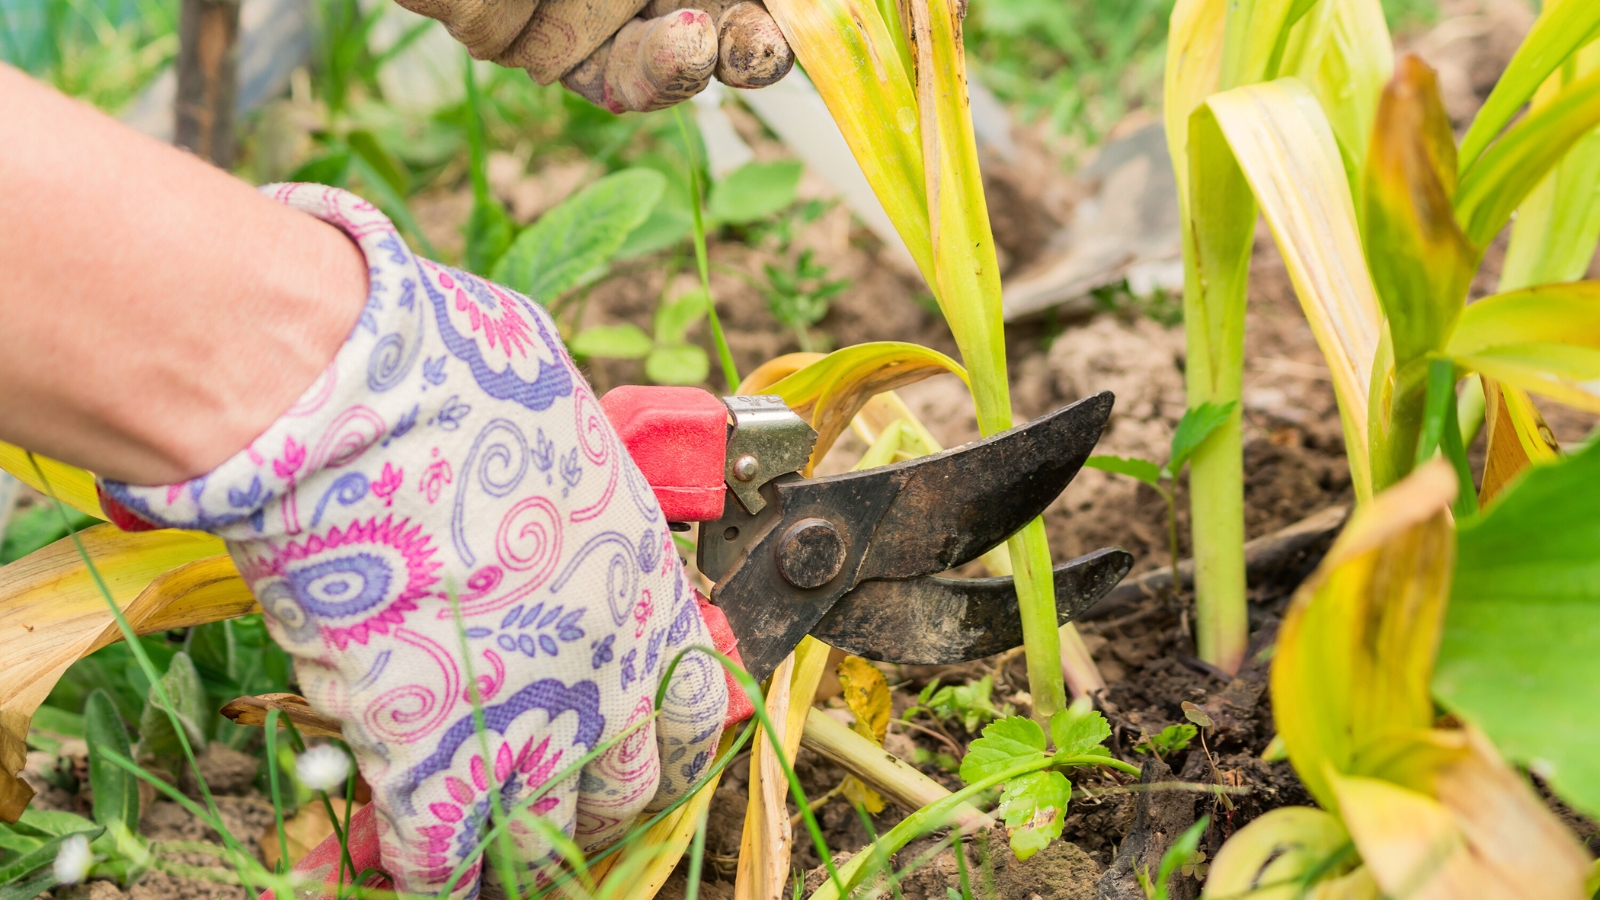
x=305 y=829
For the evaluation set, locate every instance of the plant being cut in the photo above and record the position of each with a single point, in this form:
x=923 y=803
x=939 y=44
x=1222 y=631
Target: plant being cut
x=894 y=78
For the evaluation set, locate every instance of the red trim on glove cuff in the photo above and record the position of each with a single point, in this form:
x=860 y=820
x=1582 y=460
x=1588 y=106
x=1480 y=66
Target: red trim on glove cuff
x=739 y=708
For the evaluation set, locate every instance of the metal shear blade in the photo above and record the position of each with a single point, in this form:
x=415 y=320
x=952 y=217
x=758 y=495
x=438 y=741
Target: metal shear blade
x=820 y=542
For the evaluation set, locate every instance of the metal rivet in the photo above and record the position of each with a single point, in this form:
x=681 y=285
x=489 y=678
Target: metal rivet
x=746 y=467
x=810 y=553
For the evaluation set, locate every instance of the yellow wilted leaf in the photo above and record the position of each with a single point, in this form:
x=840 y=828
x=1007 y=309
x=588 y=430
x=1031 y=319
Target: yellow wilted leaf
x=52 y=614
x=764 y=848
x=638 y=871
x=775 y=370
x=1281 y=140
x=830 y=391
x=1474 y=830
x=72 y=485
x=1355 y=653
x=866 y=693
x=1279 y=848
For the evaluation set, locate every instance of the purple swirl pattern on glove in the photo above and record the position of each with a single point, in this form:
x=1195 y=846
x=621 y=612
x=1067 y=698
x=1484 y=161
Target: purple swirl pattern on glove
x=453 y=447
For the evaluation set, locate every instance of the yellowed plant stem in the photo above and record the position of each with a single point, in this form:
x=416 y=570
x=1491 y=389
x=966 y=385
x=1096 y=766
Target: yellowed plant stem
x=764 y=850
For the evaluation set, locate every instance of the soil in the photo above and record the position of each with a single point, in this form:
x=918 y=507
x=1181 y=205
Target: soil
x=1294 y=466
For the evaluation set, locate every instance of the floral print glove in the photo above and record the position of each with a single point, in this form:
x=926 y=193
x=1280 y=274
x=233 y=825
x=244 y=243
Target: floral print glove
x=447 y=506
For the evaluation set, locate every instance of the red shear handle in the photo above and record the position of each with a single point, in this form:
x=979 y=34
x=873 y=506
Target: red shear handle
x=678 y=436
x=322 y=863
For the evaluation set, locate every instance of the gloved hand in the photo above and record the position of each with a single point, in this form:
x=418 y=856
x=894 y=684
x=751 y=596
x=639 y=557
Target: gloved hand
x=452 y=457
x=637 y=55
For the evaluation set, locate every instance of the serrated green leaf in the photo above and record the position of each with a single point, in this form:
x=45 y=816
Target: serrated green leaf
x=1142 y=469
x=585 y=231
x=116 y=790
x=626 y=341
x=677 y=364
x=1078 y=732
x=1004 y=744
x=754 y=191
x=1196 y=425
x=1034 y=807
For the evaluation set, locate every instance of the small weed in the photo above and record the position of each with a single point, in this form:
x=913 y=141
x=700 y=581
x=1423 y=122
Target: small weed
x=1172 y=739
x=1160 y=306
x=799 y=297
x=972 y=705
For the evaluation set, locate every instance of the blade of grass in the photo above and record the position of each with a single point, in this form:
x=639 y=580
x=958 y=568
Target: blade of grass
x=146 y=666
x=730 y=372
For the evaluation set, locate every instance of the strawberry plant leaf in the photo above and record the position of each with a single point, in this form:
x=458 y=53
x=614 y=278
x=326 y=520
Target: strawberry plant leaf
x=1004 y=744
x=1035 y=809
x=1078 y=733
x=1142 y=469
x=1193 y=429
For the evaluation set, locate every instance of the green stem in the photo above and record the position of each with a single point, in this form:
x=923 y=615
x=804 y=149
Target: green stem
x=1041 y=636
x=1216 y=511
x=1172 y=533
x=730 y=372
x=277 y=798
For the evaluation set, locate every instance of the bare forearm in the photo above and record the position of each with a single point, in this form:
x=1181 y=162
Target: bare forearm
x=158 y=314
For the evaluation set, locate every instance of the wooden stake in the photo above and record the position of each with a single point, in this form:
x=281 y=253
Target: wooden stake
x=208 y=55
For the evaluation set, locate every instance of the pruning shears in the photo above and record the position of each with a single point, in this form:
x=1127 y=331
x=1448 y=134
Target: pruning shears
x=854 y=559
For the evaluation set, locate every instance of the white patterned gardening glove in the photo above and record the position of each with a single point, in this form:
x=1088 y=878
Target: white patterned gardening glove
x=453 y=447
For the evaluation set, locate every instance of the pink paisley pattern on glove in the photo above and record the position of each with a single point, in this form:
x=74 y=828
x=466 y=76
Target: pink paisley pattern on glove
x=447 y=508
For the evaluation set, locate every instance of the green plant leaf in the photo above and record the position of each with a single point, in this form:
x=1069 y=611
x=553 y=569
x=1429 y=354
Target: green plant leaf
x=1509 y=171
x=677 y=364
x=332 y=169
x=675 y=317
x=1079 y=732
x=626 y=341
x=1196 y=425
x=1142 y=469
x=1557 y=227
x=585 y=231
x=752 y=192
x=49 y=823
x=116 y=790
x=1421 y=261
x=1520 y=656
x=488 y=235
x=188 y=696
x=386 y=166
x=1012 y=740
x=31 y=888
x=1560 y=30
x=1034 y=807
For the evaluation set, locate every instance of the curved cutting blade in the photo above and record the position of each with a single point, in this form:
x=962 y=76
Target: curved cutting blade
x=942 y=621
x=907 y=520
x=952 y=507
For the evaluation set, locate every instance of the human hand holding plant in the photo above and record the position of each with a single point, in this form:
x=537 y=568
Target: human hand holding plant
x=470 y=572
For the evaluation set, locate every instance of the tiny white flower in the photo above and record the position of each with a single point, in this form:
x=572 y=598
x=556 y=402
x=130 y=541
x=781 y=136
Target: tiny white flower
x=322 y=768
x=72 y=860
